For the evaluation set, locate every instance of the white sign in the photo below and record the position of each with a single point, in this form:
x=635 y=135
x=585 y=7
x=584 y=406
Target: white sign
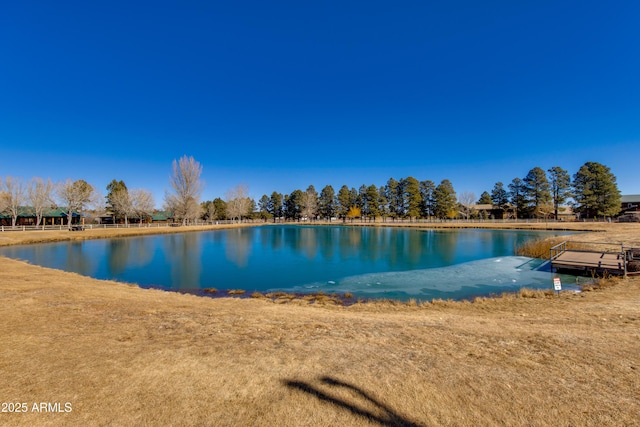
x=556 y=284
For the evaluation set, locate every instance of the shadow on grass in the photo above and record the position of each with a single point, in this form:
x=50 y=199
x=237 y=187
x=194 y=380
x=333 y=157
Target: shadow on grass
x=387 y=418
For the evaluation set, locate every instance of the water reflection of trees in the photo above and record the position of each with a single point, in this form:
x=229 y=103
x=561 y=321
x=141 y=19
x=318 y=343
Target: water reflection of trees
x=123 y=254
x=184 y=255
x=72 y=256
x=238 y=246
x=308 y=242
x=394 y=248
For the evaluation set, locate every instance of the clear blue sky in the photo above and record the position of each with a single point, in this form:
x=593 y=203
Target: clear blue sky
x=282 y=94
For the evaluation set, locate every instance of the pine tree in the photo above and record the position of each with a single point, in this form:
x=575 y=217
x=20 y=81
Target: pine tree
x=560 y=185
x=445 y=200
x=536 y=190
x=412 y=197
x=293 y=205
x=518 y=199
x=500 y=197
x=276 y=204
x=427 y=188
x=327 y=203
x=485 y=199
x=373 y=202
x=363 y=202
x=344 y=202
x=264 y=205
x=596 y=191
x=117 y=199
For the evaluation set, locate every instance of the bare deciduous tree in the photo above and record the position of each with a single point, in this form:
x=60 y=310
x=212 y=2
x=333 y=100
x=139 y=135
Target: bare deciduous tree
x=142 y=203
x=121 y=202
x=185 y=182
x=238 y=202
x=210 y=210
x=467 y=200
x=4 y=199
x=75 y=196
x=310 y=203
x=40 y=196
x=14 y=196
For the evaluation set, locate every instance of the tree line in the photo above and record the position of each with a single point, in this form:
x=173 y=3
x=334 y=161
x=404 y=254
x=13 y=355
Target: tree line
x=592 y=193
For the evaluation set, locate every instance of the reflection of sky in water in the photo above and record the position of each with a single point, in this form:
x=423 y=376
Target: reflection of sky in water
x=368 y=261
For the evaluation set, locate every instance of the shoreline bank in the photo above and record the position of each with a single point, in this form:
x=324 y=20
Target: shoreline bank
x=596 y=232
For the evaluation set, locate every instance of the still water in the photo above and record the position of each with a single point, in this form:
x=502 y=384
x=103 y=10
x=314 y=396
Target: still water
x=366 y=261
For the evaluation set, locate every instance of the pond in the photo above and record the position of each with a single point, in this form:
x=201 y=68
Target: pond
x=370 y=262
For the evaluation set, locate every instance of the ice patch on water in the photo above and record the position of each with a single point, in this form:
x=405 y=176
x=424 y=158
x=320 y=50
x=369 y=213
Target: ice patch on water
x=483 y=277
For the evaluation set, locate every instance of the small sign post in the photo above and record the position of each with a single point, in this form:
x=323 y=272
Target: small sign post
x=557 y=285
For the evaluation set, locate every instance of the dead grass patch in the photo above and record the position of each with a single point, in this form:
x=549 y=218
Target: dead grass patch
x=122 y=355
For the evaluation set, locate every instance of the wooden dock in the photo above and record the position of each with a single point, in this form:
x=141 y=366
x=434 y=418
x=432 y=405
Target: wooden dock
x=610 y=262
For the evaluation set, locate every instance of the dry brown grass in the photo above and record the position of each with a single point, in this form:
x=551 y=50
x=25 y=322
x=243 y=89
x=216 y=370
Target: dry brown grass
x=128 y=356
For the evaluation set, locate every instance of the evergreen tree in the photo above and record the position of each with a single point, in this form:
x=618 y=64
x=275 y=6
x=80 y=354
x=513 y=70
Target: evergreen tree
x=264 y=207
x=220 y=208
x=208 y=210
x=485 y=199
x=118 y=200
x=445 y=200
x=427 y=188
x=383 y=204
x=412 y=197
x=276 y=204
x=518 y=200
x=373 y=202
x=395 y=198
x=363 y=202
x=390 y=195
x=537 y=192
x=327 y=203
x=293 y=205
x=596 y=191
x=560 y=184
x=500 y=197
x=344 y=201
x=354 y=199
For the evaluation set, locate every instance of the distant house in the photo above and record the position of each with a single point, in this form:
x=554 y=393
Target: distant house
x=565 y=213
x=110 y=218
x=487 y=211
x=630 y=203
x=630 y=208
x=52 y=216
x=162 y=217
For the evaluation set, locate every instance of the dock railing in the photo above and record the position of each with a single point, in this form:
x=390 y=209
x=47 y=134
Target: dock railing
x=625 y=254
x=557 y=250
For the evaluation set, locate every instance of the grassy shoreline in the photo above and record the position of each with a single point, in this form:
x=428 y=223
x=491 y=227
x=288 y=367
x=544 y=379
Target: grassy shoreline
x=123 y=355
